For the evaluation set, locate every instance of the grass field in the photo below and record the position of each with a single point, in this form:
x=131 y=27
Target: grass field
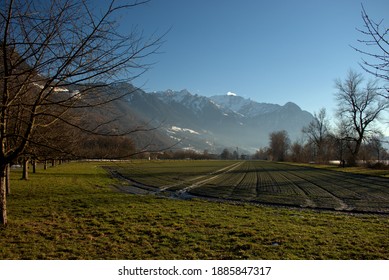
x=73 y=212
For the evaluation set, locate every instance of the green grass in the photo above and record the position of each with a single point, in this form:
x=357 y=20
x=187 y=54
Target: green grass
x=70 y=212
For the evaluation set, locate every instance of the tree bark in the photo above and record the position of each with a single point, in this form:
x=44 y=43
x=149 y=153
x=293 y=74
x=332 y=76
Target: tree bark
x=34 y=166
x=3 y=197
x=7 y=179
x=355 y=152
x=25 y=168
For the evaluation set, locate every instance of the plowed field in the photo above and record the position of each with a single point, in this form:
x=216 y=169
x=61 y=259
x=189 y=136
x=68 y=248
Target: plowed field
x=262 y=182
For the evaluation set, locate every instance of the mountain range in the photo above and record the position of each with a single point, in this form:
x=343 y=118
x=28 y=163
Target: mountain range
x=204 y=123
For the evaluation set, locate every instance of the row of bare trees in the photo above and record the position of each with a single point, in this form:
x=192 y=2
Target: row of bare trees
x=332 y=148
x=354 y=138
x=56 y=59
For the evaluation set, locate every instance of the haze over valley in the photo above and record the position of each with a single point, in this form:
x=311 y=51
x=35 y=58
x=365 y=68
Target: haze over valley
x=207 y=123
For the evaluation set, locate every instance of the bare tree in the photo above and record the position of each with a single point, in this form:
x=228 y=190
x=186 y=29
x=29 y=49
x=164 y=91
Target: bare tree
x=226 y=154
x=279 y=145
x=376 y=49
x=317 y=132
x=374 y=146
x=48 y=50
x=296 y=152
x=358 y=109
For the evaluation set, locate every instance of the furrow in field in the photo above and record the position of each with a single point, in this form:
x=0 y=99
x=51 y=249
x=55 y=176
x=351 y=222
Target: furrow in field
x=274 y=187
x=356 y=190
x=318 y=192
x=368 y=187
x=245 y=187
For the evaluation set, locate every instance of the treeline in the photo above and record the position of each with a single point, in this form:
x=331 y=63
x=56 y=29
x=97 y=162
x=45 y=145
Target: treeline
x=181 y=154
x=176 y=155
x=329 y=148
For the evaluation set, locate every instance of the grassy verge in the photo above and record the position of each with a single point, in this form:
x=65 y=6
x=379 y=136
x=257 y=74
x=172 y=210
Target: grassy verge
x=70 y=212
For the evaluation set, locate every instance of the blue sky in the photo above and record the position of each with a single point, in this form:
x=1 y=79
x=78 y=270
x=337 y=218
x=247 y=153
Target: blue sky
x=270 y=51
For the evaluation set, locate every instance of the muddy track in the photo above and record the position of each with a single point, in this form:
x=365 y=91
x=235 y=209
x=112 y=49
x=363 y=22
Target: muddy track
x=214 y=175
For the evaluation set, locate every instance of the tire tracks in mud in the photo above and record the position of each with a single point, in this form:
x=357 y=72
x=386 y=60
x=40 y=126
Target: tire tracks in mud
x=216 y=174
x=135 y=187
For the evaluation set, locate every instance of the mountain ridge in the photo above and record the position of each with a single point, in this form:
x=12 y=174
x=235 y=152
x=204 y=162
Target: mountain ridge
x=213 y=123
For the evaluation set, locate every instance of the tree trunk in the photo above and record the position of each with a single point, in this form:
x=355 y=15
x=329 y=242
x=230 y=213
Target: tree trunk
x=45 y=165
x=34 y=166
x=3 y=196
x=25 y=168
x=355 y=153
x=7 y=179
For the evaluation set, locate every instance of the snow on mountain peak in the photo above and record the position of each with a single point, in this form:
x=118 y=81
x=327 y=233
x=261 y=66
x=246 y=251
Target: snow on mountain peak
x=243 y=106
x=184 y=97
x=227 y=103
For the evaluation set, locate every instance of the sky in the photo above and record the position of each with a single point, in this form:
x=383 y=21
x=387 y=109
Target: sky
x=269 y=51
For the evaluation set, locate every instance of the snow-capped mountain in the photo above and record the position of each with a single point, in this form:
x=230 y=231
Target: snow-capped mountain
x=195 y=103
x=211 y=123
x=245 y=107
